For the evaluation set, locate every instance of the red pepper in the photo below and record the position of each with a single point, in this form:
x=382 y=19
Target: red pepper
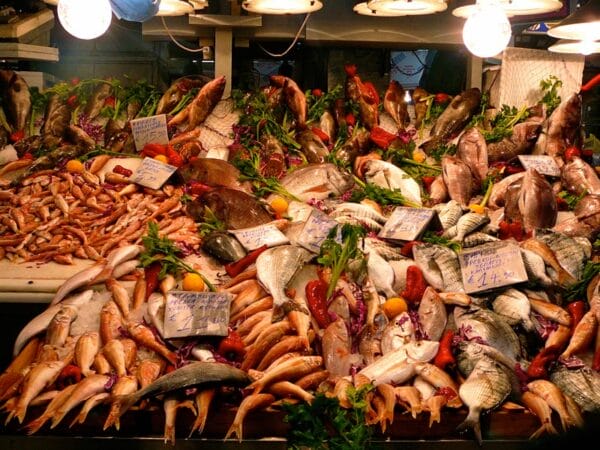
x=382 y=138
x=72 y=101
x=75 y=81
x=231 y=346
x=17 y=136
x=175 y=159
x=441 y=98
x=576 y=310
x=151 y=273
x=197 y=188
x=110 y=101
x=151 y=150
x=596 y=360
x=415 y=285
x=444 y=356
x=317 y=93
x=27 y=156
x=350 y=120
x=572 y=152
x=406 y=249
x=322 y=135
x=370 y=93
x=122 y=170
x=237 y=267
x=350 y=70
x=561 y=203
x=71 y=374
x=427 y=182
x=316 y=297
x=539 y=365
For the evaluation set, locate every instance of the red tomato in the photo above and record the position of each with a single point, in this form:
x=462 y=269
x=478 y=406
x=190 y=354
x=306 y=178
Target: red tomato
x=350 y=119
x=441 y=98
x=317 y=92
x=110 y=101
x=72 y=101
x=75 y=81
x=571 y=152
x=17 y=136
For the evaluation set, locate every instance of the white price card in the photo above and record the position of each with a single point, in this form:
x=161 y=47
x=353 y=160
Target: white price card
x=315 y=231
x=407 y=224
x=255 y=237
x=544 y=164
x=150 y=130
x=492 y=265
x=152 y=173
x=196 y=314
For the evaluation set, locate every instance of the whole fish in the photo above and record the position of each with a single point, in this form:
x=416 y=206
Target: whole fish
x=537 y=202
x=174 y=94
x=472 y=149
x=499 y=190
x=294 y=98
x=60 y=325
x=536 y=268
x=420 y=99
x=582 y=385
x=449 y=213
x=57 y=118
x=394 y=104
x=469 y=352
x=86 y=348
x=312 y=147
x=486 y=388
x=275 y=268
x=538 y=406
x=214 y=172
x=458 y=178
x=397 y=333
x=514 y=306
x=202 y=105
x=41 y=321
x=292 y=368
x=432 y=314
x=337 y=353
x=358 y=144
x=95 y=104
x=327 y=125
x=438 y=192
x=392 y=177
x=440 y=267
x=16 y=98
x=364 y=96
x=223 y=246
x=194 y=374
x=466 y=224
x=520 y=142
x=317 y=181
x=381 y=274
x=570 y=252
x=561 y=129
x=251 y=402
x=578 y=177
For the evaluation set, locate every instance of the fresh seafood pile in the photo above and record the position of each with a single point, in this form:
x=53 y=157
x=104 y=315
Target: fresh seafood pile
x=400 y=261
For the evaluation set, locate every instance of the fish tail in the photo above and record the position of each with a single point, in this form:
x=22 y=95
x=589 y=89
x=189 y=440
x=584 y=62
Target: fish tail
x=278 y=313
x=80 y=418
x=472 y=422
x=564 y=277
x=235 y=429
x=57 y=419
x=117 y=409
x=434 y=417
x=545 y=428
x=35 y=425
x=20 y=412
x=169 y=434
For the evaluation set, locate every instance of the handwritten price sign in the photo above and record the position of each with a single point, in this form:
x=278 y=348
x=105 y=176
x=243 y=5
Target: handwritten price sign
x=253 y=238
x=152 y=173
x=196 y=314
x=544 y=164
x=150 y=130
x=407 y=224
x=315 y=231
x=491 y=266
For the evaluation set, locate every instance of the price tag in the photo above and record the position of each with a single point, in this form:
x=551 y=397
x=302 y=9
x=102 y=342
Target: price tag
x=152 y=173
x=151 y=129
x=544 y=164
x=315 y=231
x=490 y=266
x=255 y=237
x=407 y=224
x=196 y=314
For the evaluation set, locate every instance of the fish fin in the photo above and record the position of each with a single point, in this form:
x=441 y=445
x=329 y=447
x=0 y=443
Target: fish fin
x=543 y=429
x=35 y=425
x=117 y=409
x=472 y=422
x=565 y=278
x=235 y=428
x=104 y=275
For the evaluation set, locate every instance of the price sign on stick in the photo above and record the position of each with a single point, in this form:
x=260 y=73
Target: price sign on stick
x=255 y=237
x=152 y=173
x=407 y=224
x=196 y=314
x=544 y=164
x=149 y=130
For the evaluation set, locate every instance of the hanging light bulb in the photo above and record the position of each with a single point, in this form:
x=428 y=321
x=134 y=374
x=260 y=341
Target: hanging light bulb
x=487 y=31
x=406 y=7
x=85 y=19
x=282 y=6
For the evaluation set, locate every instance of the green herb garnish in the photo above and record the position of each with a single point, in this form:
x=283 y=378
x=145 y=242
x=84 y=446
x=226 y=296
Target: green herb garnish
x=378 y=194
x=324 y=424
x=432 y=237
x=210 y=223
x=503 y=123
x=441 y=150
x=578 y=290
x=551 y=98
x=250 y=170
x=318 y=105
x=570 y=199
x=164 y=251
x=336 y=255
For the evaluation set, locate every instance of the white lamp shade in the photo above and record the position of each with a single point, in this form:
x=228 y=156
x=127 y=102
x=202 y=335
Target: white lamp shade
x=282 y=6
x=363 y=9
x=487 y=31
x=406 y=7
x=577 y=47
x=581 y=25
x=85 y=19
x=514 y=8
x=174 y=8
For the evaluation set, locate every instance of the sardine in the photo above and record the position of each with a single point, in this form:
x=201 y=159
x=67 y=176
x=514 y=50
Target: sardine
x=394 y=104
x=472 y=149
x=560 y=130
x=275 y=268
x=194 y=374
x=458 y=178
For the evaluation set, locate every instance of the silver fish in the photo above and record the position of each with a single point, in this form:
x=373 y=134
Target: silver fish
x=389 y=176
x=337 y=350
x=449 y=213
x=469 y=352
x=440 y=267
x=578 y=177
x=465 y=225
x=537 y=202
x=398 y=332
x=381 y=274
x=536 y=268
x=458 y=178
x=472 y=149
x=275 y=268
x=357 y=210
x=386 y=251
x=514 y=306
x=478 y=238
x=60 y=325
x=569 y=252
x=582 y=385
x=560 y=130
x=317 y=181
x=432 y=314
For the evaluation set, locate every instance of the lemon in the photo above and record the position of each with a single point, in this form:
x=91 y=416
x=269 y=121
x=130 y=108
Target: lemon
x=279 y=205
x=192 y=282
x=74 y=166
x=419 y=156
x=394 y=306
x=162 y=158
x=477 y=208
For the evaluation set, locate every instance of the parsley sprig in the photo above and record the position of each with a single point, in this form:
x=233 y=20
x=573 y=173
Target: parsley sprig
x=164 y=251
x=578 y=290
x=379 y=194
x=504 y=121
x=250 y=170
x=550 y=86
x=318 y=105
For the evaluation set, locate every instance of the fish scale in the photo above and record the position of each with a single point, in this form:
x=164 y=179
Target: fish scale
x=568 y=251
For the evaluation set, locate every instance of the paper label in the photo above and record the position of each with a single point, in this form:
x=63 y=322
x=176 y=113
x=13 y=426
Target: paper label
x=196 y=314
x=255 y=237
x=152 y=173
x=315 y=231
x=544 y=164
x=149 y=130
x=490 y=266
x=407 y=224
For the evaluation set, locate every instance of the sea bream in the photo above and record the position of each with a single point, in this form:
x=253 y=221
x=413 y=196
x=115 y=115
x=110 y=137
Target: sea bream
x=316 y=181
x=440 y=267
x=561 y=129
x=578 y=177
x=392 y=177
x=458 y=178
x=275 y=267
x=472 y=149
x=15 y=98
x=536 y=201
x=395 y=105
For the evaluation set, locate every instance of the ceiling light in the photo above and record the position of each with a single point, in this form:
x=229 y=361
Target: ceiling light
x=487 y=30
x=578 y=47
x=85 y=20
x=174 y=8
x=282 y=6
x=514 y=7
x=198 y=4
x=363 y=9
x=583 y=24
x=406 y=7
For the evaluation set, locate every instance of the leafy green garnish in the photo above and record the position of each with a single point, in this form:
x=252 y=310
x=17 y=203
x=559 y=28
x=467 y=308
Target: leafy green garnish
x=503 y=123
x=185 y=100
x=570 y=199
x=432 y=237
x=38 y=106
x=592 y=143
x=578 y=290
x=250 y=170
x=441 y=150
x=551 y=98
x=164 y=251
x=336 y=255
x=324 y=424
x=479 y=119
x=318 y=105
x=211 y=223
x=378 y=194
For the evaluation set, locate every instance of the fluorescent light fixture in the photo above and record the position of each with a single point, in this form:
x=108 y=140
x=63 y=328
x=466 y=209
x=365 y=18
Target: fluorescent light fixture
x=515 y=7
x=487 y=31
x=85 y=20
x=174 y=8
x=577 y=47
x=407 y=7
x=282 y=6
x=582 y=25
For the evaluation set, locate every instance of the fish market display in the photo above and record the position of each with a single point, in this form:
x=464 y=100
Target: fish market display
x=345 y=261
